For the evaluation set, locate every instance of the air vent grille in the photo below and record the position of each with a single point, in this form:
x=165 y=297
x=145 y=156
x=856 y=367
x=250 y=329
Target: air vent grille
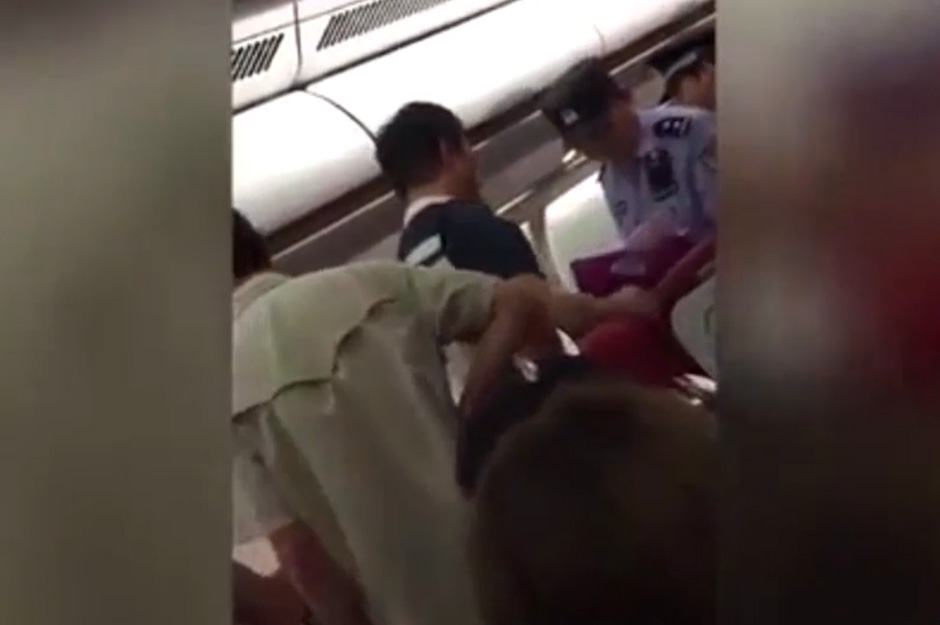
x=368 y=17
x=254 y=58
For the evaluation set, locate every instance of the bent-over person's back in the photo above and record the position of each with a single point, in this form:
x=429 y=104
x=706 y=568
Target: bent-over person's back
x=339 y=376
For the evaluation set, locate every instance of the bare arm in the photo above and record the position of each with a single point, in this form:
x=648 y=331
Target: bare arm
x=521 y=321
x=577 y=313
x=502 y=318
x=329 y=592
x=688 y=272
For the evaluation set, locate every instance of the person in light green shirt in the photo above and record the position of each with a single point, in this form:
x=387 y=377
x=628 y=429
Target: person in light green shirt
x=344 y=427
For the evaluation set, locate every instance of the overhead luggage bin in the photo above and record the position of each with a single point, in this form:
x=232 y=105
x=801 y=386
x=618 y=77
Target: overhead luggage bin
x=338 y=33
x=478 y=69
x=621 y=23
x=293 y=155
x=264 y=56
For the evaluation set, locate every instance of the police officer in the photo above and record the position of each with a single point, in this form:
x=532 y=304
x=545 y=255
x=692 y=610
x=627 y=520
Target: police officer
x=659 y=173
x=690 y=80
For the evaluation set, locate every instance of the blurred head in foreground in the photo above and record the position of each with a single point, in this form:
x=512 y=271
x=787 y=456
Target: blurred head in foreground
x=600 y=511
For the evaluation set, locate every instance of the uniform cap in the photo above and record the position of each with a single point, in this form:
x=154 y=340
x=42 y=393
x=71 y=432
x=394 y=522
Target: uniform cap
x=580 y=96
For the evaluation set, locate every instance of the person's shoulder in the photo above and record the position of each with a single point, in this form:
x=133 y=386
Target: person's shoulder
x=481 y=240
x=471 y=220
x=463 y=211
x=365 y=272
x=444 y=217
x=476 y=220
x=673 y=122
x=359 y=280
x=426 y=225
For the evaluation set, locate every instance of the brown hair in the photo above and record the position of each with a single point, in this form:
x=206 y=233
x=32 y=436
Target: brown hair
x=599 y=512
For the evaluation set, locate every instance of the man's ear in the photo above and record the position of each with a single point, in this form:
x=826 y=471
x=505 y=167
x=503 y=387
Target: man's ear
x=449 y=156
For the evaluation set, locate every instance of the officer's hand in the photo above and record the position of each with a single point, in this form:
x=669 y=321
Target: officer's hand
x=634 y=300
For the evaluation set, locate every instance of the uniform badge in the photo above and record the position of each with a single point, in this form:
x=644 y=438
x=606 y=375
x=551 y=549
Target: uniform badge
x=660 y=174
x=672 y=127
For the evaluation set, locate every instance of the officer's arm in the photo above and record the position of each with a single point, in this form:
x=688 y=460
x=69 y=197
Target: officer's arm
x=686 y=274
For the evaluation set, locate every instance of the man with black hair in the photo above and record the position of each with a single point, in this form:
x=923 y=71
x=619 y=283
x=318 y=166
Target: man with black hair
x=345 y=431
x=690 y=80
x=424 y=152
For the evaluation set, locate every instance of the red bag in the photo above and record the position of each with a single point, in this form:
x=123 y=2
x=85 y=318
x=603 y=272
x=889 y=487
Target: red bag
x=646 y=349
x=641 y=347
x=606 y=274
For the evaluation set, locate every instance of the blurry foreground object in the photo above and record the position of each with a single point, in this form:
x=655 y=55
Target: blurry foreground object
x=598 y=511
x=265 y=600
x=830 y=340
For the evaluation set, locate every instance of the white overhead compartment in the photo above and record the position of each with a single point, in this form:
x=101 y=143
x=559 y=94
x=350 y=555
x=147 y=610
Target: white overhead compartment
x=621 y=23
x=251 y=18
x=338 y=34
x=478 y=69
x=264 y=55
x=294 y=154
